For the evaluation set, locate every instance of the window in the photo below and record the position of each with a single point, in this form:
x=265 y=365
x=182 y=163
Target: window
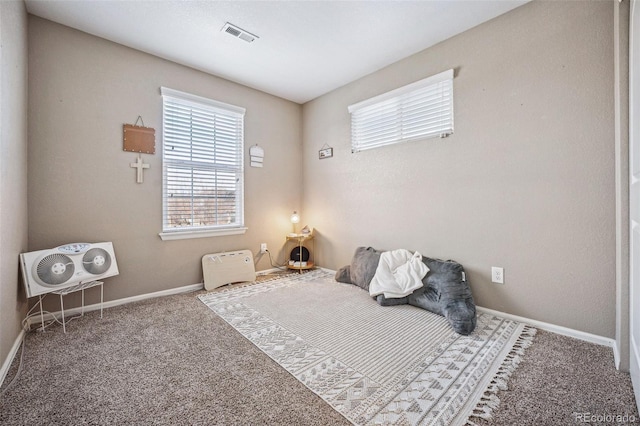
x=202 y=167
x=419 y=110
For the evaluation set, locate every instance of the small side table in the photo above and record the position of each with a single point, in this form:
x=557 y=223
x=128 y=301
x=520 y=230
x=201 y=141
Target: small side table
x=299 y=240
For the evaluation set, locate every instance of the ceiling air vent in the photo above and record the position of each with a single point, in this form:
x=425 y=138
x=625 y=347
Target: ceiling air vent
x=239 y=32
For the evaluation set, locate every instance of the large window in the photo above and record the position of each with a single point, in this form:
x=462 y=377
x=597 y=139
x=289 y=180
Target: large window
x=419 y=110
x=202 y=161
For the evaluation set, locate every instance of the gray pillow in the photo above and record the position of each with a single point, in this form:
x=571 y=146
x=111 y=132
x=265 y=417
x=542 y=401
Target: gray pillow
x=363 y=266
x=344 y=275
x=447 y=293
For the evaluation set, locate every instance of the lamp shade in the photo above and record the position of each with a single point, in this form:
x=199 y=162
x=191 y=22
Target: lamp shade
x=295 y=218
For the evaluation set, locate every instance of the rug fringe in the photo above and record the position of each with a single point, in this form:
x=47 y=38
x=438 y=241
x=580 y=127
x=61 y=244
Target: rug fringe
x=489 y=400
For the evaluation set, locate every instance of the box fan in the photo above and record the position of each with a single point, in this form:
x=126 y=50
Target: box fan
x=55 y=269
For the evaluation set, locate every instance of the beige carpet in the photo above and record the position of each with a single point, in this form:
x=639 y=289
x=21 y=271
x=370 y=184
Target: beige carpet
x=373 y=364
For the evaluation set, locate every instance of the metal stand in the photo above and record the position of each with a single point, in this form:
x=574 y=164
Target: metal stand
x=79 y=287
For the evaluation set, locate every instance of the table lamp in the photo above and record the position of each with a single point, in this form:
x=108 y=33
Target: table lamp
x=295 y=218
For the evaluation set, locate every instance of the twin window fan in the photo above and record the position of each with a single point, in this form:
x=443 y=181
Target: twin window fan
x=66 y=269
x=46 y=271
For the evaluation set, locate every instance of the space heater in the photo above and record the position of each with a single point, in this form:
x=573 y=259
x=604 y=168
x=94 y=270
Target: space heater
x=229 y=267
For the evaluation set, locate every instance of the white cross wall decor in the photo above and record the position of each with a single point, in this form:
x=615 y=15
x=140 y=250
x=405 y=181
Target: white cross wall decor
x=140 y=165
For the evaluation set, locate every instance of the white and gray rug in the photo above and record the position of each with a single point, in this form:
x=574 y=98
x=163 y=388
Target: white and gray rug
x=374 y=365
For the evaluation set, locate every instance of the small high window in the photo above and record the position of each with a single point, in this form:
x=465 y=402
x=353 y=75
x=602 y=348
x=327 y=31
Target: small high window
x=420 y=110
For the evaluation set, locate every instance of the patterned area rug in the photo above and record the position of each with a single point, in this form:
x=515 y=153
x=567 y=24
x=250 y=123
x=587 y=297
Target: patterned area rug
x=375 y=365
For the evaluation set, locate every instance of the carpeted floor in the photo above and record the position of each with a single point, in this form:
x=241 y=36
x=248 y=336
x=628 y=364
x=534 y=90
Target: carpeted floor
x=171 y=360
x=565 y=381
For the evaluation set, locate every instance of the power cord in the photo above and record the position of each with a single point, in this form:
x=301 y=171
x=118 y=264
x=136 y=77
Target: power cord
x=27 y=329
x=43 y=326
x=281 y=267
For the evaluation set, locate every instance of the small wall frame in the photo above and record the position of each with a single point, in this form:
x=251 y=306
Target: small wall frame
x=325 y=152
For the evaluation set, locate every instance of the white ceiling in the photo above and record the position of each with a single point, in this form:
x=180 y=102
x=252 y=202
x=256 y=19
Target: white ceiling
x=305 y=49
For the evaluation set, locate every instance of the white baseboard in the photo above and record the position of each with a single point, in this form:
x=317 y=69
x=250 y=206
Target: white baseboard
x=96 y=307
x=10 y=357
x=616 y=354
x=576 y=334
x=178 y=290
x=268 y=271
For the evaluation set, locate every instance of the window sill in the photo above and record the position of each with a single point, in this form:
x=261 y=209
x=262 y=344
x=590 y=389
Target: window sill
x=183 y=235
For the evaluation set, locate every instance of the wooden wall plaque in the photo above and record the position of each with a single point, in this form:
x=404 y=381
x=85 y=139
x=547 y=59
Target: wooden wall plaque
x=139 y=139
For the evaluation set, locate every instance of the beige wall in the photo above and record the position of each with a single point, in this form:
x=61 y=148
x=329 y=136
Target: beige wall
x=82 y=89
x=13 y=168
x=526 y=182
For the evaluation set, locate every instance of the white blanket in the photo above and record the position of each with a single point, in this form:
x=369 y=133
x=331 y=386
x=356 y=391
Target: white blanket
x=398 y=274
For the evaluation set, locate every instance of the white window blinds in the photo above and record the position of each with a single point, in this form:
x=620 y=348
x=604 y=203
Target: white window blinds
x=202 y=153
x=419 y=110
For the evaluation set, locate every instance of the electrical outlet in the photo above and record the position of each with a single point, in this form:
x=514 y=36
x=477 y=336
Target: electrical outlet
x=263 y=247
x=497 y=275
